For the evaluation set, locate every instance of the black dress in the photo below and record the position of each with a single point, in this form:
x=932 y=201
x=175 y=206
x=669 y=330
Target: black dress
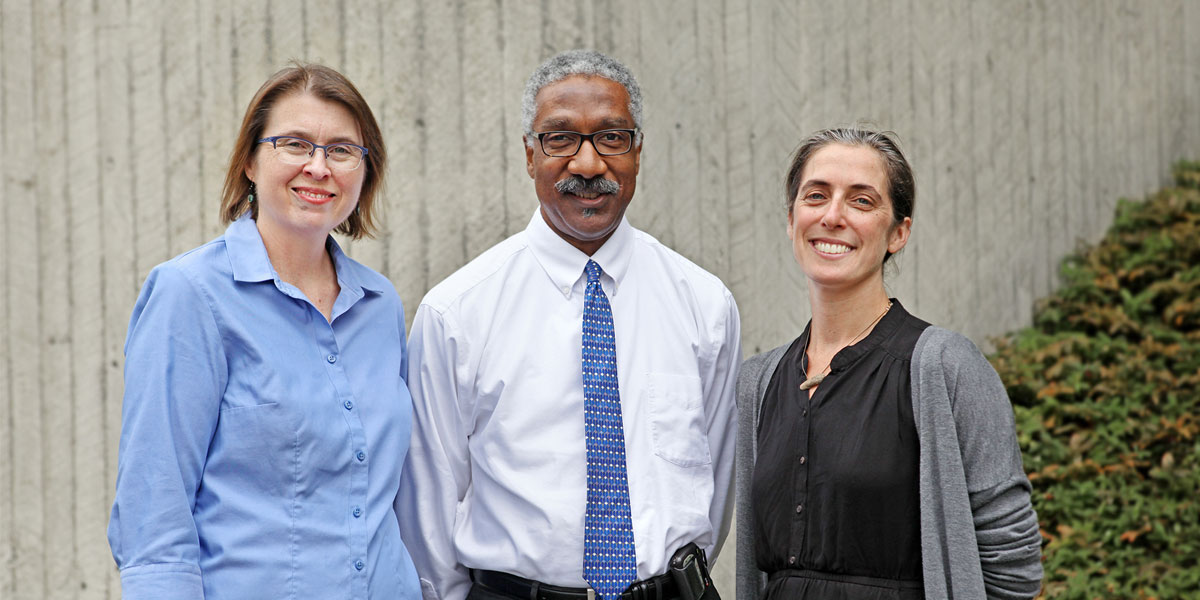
x=834 y=490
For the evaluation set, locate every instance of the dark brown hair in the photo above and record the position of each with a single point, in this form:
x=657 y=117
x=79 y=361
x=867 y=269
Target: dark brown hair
x=326 y=84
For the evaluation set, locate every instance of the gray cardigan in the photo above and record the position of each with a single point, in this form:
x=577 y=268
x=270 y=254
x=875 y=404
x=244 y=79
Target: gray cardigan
x=979 y=533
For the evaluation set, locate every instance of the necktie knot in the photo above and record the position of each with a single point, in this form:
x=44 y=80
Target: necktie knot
x=593 y=271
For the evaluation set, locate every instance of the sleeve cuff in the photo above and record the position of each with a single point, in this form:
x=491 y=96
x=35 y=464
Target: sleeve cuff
x=162 y=581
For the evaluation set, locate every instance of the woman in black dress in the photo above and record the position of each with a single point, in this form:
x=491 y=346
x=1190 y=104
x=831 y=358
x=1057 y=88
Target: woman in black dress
x=877 y=454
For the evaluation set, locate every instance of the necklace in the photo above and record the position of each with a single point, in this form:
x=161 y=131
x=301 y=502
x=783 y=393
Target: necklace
x=815 y=380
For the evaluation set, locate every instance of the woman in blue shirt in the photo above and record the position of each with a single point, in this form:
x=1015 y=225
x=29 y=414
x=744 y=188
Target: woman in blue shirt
x=266 y=415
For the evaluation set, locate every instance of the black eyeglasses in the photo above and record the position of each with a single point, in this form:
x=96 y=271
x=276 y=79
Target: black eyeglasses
x=608 y=142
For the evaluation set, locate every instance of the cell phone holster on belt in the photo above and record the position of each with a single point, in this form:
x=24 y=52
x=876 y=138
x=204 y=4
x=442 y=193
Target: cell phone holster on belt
x=689 y=569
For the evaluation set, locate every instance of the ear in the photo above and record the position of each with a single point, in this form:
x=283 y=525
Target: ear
x=528 y=156
x=790 y=230
x=899 y=235
x=249 y=171
x=637 y=155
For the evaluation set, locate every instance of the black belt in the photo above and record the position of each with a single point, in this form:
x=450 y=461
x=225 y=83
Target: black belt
x=894 y=584
x=661 y=587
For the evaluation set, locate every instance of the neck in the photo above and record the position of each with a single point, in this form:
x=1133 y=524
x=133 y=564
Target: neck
x=839 y=317
x=298 y=260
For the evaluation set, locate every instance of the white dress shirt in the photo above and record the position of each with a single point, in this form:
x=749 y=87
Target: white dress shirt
x=496 y=477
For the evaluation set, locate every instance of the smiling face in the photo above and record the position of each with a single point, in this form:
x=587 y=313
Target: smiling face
x=583 y=104
x=842 y=223
x=307 y=200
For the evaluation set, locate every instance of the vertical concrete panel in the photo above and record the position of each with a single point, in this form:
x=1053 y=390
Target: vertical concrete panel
x=1172 y=81
x=121 y=275
x=220 y=109
x=324 y=27
x=522 y=52
x=23 y=343
x=149 y=105
x=737 y=96
x=401 y=117
x=713 y=199
x=50 y=216
x=923 y=245
x=441 y=53
x=789 y=78
x=363 y=64
x=679 y=203
x=1191 y=74
x=263 y=42
x=182 y=139
x=892 y=99
x=7 y=403
x=564 y=26
x=1046 y=148
x=651 y=209
x=484 y=153
x=91 y=493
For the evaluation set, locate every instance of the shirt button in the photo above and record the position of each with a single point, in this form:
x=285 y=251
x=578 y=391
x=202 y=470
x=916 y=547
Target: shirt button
x=358 y=564
x=332 y=358
x=361 y=456
x=799 y=508
x=804 y=413
x=350 y=405
x=791 y=560
x=357 y=512
x=803 y=459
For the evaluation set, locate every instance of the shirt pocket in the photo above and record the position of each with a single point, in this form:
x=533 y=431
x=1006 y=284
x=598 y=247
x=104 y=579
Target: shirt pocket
x=259 y=441
x=677 y=419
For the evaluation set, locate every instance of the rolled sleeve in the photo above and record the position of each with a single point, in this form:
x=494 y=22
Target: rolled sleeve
x=174 y=376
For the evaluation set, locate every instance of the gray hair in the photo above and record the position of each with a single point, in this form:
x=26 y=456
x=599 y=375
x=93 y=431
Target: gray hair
x=902 y=188
x=579 y=62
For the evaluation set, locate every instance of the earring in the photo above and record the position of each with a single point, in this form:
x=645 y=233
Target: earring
x=250 y=196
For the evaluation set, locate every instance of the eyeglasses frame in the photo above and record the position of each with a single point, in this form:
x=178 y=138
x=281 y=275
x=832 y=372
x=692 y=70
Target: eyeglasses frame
x=365 y=151
x=587 y=137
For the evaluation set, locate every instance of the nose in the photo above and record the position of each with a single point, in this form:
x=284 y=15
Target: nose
x=317 y=166
x=834 y=215
x=587 y=163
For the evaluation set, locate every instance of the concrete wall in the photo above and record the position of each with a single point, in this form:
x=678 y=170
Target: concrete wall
x=1025 y=120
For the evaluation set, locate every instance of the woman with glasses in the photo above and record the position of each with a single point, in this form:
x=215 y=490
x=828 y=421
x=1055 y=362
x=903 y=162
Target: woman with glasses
x=266 y=415
x=877 y=454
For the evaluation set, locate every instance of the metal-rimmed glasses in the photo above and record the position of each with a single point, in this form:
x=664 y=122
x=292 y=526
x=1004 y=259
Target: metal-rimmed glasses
x=293 y=150
x=607 y=142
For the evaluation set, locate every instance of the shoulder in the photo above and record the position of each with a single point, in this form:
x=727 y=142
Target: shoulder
x=756 y=371
x=199 y=269
x=947 y=352
x=676 y=264
x=475 y=277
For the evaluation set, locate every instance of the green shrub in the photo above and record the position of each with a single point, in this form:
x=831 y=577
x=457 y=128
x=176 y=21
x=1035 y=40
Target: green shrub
x=1106 y=389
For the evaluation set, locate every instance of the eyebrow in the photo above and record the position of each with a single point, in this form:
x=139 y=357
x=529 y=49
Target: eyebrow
x=856 y=186
x=562 y=124
x=308 y=136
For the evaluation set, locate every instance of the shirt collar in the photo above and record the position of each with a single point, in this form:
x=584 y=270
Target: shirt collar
x=564 y=263
x=248 y=257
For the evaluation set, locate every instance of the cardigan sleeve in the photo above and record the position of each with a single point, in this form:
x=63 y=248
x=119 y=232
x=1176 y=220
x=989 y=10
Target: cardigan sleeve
x=1005 y=524
x=753 y=378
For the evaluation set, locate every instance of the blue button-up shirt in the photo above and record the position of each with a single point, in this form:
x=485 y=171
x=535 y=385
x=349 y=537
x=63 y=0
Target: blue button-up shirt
x=261 y=445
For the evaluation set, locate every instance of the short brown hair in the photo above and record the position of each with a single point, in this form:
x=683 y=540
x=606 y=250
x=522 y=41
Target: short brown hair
x=326 y=84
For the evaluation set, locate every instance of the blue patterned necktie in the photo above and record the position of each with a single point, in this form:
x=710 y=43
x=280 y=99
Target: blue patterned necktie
x=609 y=563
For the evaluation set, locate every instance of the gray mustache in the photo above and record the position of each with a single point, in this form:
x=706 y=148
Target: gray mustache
x=578 y=185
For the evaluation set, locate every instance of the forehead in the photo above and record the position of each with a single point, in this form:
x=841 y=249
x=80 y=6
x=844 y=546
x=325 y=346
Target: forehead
x=580 y=101
x=846 y=165
x=302 y=113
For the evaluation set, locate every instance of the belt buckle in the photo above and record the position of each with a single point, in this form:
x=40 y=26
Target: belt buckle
x=591 y=594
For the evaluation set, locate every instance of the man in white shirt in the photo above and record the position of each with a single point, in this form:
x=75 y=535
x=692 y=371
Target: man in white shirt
x=527 y=427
